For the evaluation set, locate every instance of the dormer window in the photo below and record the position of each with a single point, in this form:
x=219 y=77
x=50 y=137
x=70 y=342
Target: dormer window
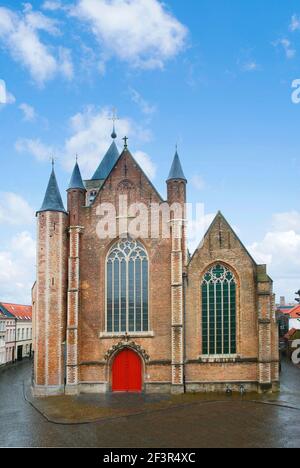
x=92 y=196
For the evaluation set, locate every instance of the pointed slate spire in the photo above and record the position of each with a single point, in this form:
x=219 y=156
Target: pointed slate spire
x=176 y=172
x=107 y=163
x=52 y=200
x=76 y=181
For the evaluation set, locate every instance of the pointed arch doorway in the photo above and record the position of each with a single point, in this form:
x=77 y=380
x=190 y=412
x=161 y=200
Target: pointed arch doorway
x=127 y=372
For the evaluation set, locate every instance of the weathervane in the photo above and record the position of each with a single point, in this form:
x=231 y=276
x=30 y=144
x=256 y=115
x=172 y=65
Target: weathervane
x=114 y=116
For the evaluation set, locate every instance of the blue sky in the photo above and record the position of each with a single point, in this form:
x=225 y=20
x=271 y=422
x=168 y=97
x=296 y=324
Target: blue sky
x=214 y=77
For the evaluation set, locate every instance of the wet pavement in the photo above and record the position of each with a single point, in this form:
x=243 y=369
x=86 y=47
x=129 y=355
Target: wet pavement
x=204 y=423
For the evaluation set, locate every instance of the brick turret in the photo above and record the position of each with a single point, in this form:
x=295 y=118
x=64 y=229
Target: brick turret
x=76 y=196
x=76 y=201
x=51 y=304
x=176 y=184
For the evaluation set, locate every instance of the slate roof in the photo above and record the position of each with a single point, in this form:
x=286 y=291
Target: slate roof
x=176 y=172
x=76 y=181
x=107 y=163
x=52 y=200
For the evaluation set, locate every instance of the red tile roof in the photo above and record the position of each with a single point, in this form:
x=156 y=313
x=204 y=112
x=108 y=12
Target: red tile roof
x=21 y=312
x=295 y=312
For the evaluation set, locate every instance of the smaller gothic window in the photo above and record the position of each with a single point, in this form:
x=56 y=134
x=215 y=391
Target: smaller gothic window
x=219 y=311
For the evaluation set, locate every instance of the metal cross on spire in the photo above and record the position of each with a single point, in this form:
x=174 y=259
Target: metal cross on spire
x=52 y=159
x=125 y=139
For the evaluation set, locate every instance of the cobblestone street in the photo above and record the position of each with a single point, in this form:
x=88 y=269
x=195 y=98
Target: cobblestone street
x=274 y=422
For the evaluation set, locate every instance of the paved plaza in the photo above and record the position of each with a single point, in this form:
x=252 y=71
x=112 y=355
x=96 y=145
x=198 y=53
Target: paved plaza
x=151 y=422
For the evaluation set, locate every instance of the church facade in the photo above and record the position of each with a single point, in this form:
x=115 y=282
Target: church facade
x=117 y=312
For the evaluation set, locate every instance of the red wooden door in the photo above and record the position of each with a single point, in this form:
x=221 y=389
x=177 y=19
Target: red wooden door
x=127 y=372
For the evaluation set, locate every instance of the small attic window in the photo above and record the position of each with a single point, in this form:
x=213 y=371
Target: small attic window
x=92 y=196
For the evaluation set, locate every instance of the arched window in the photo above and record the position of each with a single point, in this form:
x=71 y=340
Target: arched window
x=219 y=311
x=127 y=272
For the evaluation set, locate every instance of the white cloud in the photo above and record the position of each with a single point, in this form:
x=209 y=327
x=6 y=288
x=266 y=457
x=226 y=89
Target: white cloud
x=19 y=33
x=142 y=33
x=146 y=163
x=29 y=113
x=2 y=92
x=101 y=67
x=287 y=221
x=38 y=149
x=90 y=139
x=24 y=244
x=198 y=182
x=250 y=66
x=145 y=107
x=17 y=269
x=295 y=23
x=286 y=44
x=280 y=250
x=5 y=96
x=14 y=210
x=52 y=5
x=66 y=63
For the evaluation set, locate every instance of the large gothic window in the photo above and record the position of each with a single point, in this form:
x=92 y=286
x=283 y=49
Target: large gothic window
x=127 y=288
x=219 y=311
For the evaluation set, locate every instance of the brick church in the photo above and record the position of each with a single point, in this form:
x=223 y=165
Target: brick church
x=125 y=313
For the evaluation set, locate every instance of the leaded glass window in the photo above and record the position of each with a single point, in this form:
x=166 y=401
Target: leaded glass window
x=127 y=273
x=219 y=311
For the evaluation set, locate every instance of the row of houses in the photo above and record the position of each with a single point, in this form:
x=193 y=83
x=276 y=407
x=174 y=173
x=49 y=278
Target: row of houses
x=289 y=326
x=288 y=318
x=15 y=332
